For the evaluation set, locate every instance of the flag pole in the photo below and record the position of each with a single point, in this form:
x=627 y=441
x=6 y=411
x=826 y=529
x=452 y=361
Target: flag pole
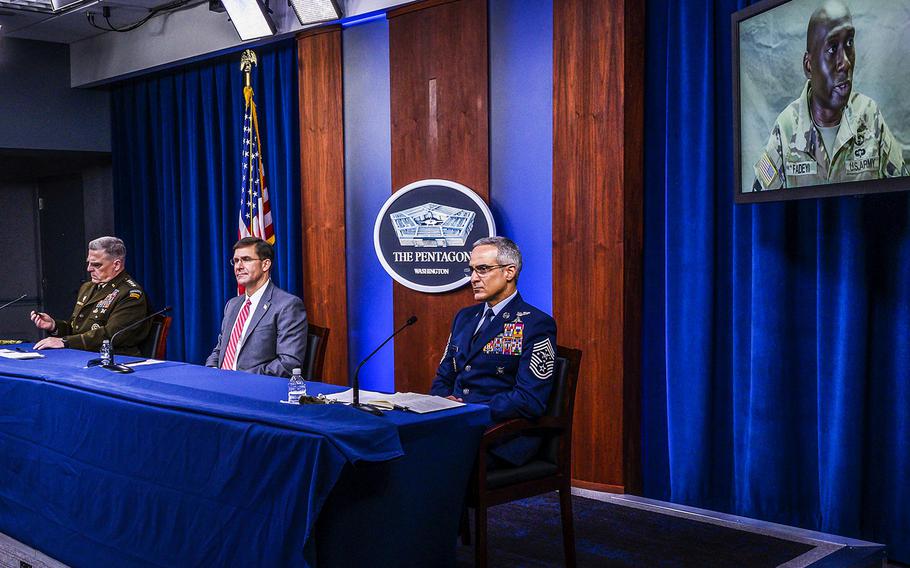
x=247 y=60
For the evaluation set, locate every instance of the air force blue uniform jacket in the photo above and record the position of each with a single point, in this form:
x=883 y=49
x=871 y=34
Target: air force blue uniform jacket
x=509 y=367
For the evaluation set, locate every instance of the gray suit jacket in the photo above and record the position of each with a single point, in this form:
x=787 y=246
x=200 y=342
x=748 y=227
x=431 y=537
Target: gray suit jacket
x=276 y=338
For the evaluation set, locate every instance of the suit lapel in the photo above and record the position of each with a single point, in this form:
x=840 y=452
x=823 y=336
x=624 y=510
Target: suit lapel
x=264 y=304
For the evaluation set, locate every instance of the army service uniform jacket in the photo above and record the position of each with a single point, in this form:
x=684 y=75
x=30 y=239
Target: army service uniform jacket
x=795 y=156
x=101 y=311
x=509 y=367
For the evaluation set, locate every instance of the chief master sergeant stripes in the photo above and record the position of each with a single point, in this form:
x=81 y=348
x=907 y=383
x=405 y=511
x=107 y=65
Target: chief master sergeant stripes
x=111 y=301
x=830 y=133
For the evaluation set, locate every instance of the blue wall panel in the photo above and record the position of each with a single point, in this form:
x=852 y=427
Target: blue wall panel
x=521 y=131
x=368 y=183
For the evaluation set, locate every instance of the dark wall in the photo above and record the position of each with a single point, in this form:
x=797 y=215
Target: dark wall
x=40 y=110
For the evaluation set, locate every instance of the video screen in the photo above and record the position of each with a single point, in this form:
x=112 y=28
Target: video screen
x=821 y=105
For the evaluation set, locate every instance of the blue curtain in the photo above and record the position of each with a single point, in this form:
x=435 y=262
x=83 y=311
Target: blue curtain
x=776 y=364
x=176 y=146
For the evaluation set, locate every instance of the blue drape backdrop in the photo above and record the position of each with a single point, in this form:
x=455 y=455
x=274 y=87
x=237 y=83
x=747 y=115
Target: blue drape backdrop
x=176 y=143
x=776 y=361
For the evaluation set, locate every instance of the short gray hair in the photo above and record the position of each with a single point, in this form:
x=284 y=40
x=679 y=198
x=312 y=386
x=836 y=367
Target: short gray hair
x=506 y=251
x=112 y=246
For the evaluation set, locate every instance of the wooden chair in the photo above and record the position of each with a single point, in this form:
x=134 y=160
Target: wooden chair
x=155 y=344
x=317 y=340
x=549 y=470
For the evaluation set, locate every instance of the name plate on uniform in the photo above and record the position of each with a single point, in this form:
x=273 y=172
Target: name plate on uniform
x=809 y=168
x=424 y=232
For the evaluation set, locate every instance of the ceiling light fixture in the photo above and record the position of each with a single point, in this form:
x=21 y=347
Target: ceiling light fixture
x=250 y=18
x=315 y=11
x=62 y=4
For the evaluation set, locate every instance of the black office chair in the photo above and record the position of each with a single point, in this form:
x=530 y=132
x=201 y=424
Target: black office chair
x=549 y=470
x=317 y=340
x=155 y=344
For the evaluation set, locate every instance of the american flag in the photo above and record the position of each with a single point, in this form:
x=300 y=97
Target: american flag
x=255 y=218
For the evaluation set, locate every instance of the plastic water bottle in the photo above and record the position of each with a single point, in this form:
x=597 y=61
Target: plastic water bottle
x=296 y=387
x=106 y=352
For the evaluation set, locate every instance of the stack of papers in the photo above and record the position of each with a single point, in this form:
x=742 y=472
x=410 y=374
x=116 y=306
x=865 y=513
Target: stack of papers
x=415 y=402
x=10 y=354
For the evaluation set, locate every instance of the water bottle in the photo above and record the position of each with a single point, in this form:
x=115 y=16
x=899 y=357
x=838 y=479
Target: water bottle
x=106 y=352
x=296 y=387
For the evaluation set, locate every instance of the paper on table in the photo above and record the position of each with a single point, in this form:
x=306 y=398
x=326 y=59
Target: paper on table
x=145 y=362
x=10 y=354
x=415 y=402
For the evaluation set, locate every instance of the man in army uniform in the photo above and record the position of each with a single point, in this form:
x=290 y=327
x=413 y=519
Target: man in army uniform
x=502 y=351
x=829 y=134
x=107 y=304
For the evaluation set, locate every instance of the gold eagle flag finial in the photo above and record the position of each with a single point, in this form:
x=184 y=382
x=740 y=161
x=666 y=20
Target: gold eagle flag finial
x=247 y=60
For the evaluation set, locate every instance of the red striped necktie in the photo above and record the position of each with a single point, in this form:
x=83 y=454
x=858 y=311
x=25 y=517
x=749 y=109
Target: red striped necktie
x=230 y=354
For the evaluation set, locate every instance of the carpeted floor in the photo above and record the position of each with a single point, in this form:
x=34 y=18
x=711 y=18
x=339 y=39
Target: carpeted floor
x=528 y=533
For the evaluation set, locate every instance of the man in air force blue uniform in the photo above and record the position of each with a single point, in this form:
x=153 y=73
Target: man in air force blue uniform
x=500 y=353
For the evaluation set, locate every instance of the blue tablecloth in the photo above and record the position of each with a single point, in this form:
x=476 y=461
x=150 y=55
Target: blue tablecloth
x=179 y=465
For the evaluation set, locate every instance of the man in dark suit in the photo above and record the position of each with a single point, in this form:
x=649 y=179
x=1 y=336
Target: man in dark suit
x=264 y=330
x=502 y=352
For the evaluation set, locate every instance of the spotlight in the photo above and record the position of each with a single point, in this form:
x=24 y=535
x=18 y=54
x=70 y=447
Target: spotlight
x=315 y=11
x=250 y=18
x=61 y=4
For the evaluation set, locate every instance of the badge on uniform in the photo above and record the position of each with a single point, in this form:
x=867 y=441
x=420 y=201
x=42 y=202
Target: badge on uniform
x=500 y=370
x=108 y=300
x=135 y=293
x=508 y=342
x=543 y=359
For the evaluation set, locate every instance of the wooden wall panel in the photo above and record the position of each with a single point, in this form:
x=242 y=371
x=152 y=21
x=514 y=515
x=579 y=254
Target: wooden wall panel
x=597 y=227
x=439 y=113
x=322 y=191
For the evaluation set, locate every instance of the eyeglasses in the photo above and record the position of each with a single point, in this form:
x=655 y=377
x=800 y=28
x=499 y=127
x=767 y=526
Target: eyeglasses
x=243 y=259
x=483 y=269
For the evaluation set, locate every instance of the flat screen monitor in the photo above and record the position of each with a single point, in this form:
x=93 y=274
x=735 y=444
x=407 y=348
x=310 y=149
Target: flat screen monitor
x=821 y=98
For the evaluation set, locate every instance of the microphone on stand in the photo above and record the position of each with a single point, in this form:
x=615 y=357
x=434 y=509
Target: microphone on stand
x=355 y=384
x=107 y=358
x=10 y=303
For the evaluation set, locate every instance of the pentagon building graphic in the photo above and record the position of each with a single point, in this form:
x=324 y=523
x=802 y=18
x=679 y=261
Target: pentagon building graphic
x=432 y=225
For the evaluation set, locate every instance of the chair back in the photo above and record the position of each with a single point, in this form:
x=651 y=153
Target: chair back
x=317 y=340
x=561 y=405
x=155 y=344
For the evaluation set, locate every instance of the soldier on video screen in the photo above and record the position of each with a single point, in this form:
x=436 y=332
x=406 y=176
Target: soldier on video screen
x=830 y=133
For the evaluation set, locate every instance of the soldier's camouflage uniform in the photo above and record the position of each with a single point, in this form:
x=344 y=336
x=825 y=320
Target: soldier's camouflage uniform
x=795 y=155
x=102 y=310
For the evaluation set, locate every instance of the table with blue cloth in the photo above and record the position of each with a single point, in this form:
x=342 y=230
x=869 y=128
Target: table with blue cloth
x=181 y=465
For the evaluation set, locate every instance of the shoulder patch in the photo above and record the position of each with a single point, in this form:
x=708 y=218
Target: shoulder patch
x=543 y=359
x=135 y=294
x=765 y=169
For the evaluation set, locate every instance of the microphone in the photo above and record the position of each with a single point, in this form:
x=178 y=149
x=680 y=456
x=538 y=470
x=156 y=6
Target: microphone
x=107 y=359
x=355 y=384
x=10 y=303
